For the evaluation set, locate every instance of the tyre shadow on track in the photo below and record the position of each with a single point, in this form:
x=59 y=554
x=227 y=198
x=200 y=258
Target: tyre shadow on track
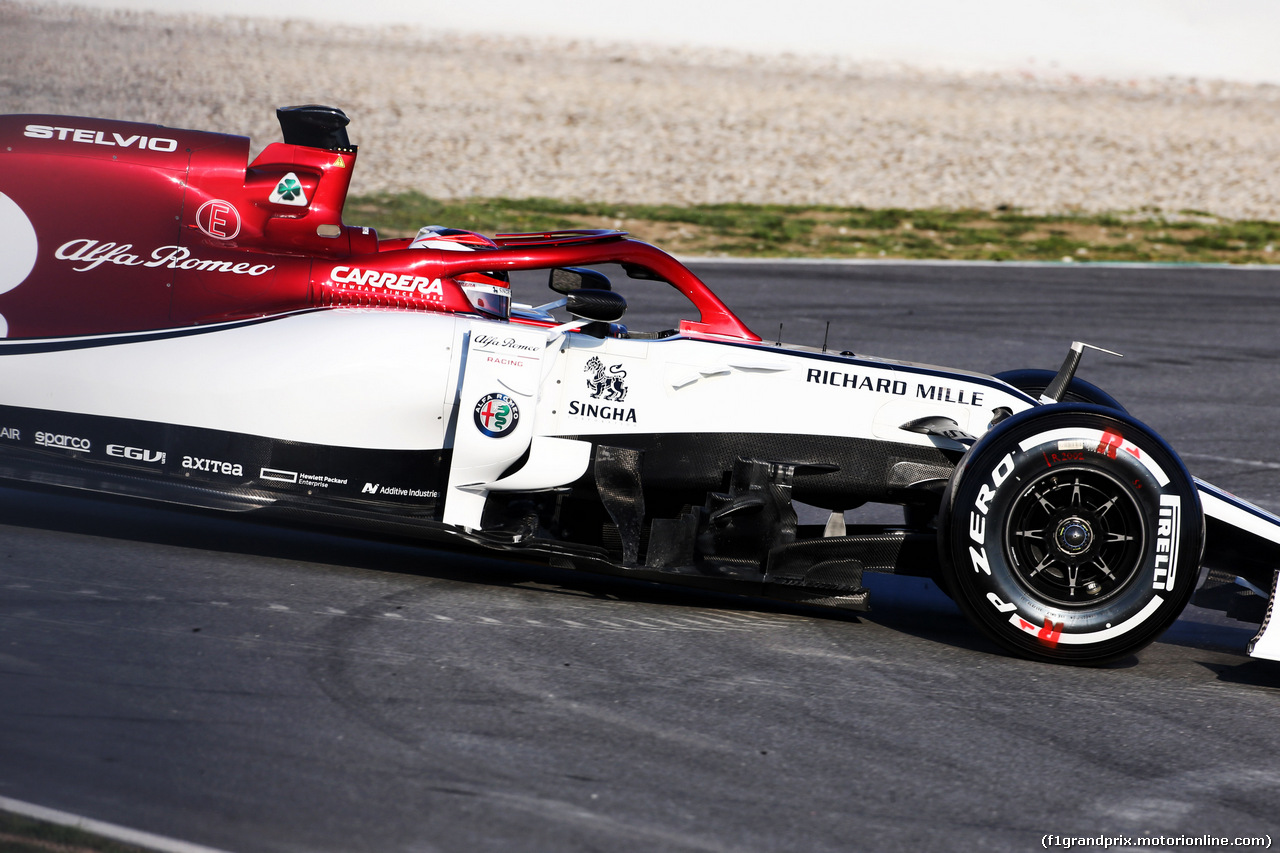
x=1251 y=673
x=916 y=606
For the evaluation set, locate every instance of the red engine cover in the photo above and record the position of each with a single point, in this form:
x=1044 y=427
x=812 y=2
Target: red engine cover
x=112 y=226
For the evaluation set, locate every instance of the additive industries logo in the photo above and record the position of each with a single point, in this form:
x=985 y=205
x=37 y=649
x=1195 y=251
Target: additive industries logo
x=219 y=219
x=496 y=415
x=289 y=191
x=606 y=383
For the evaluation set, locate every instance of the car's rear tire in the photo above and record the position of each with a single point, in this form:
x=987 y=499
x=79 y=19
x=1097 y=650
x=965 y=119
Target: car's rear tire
x=1071 y=534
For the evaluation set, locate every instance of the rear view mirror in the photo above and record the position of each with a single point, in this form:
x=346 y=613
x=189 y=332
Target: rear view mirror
x=642 y=273
x=602 y=306
x=569 y=279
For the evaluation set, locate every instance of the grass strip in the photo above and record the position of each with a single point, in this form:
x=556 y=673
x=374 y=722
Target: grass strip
x=798 y=231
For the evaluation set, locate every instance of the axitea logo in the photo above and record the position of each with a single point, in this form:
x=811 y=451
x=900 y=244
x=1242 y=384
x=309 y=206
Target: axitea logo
x=100 y=137
x=63 y=442
x=213 y=466
x=137 y=454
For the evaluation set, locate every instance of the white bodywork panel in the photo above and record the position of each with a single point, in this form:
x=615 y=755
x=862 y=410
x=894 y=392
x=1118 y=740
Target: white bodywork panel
x=686 y=385
x=343 y=377
x=1257 y=522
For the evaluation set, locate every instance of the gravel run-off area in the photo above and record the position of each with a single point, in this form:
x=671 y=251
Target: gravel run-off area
x=455 y=116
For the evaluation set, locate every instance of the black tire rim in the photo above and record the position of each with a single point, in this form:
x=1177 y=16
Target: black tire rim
x=1076 y=536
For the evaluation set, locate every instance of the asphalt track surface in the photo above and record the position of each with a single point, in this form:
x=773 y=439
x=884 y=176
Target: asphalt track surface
x=256 y=689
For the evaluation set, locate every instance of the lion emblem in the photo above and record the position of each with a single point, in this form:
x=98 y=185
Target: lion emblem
x=606 y=383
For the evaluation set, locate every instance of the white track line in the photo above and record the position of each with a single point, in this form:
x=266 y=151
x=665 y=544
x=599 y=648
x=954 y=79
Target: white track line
x=108 y=830
x=1231 y=460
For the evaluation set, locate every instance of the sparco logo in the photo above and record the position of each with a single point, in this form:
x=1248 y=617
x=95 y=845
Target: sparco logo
x=137 y=454
x=66 y=442
x=100 y=137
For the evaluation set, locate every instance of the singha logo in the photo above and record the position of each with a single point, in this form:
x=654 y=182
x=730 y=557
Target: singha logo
x=606 y=383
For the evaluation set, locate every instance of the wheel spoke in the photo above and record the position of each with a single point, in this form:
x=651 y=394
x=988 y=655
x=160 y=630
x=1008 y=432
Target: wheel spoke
x=1075 y=536
x=1041 y=566
x=1044 y=502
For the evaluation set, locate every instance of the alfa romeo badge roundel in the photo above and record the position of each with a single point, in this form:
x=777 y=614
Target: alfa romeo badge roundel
x=496 y=415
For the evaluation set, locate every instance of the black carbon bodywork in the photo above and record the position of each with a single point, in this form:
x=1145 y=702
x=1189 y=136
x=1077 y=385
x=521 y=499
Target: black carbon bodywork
x=832 y=472
x=214 y=468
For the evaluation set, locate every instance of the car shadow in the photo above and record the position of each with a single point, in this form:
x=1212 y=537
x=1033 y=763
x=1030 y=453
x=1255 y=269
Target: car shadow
x=914 y=606
x=127 y=519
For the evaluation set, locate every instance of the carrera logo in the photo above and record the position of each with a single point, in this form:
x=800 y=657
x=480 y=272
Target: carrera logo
x=213 y=466
x=92 y=254
x=137 y=454
x=379 y=280
x=100 y=137
x=219 y=219
x=63 y=442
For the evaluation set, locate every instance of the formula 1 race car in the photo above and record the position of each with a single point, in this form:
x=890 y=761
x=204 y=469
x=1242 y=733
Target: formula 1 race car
x=182 y=327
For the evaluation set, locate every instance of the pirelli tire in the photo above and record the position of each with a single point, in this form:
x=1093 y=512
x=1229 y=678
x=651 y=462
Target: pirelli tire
x=1071 y=533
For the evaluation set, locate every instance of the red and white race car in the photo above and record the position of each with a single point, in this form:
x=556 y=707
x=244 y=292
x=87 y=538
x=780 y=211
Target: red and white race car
x=182 y=325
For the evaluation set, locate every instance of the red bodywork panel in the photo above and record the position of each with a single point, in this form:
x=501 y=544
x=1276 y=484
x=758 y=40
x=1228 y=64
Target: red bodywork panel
x=140 y=226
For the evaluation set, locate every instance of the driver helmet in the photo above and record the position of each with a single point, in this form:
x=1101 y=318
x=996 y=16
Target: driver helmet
x=488 y=292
